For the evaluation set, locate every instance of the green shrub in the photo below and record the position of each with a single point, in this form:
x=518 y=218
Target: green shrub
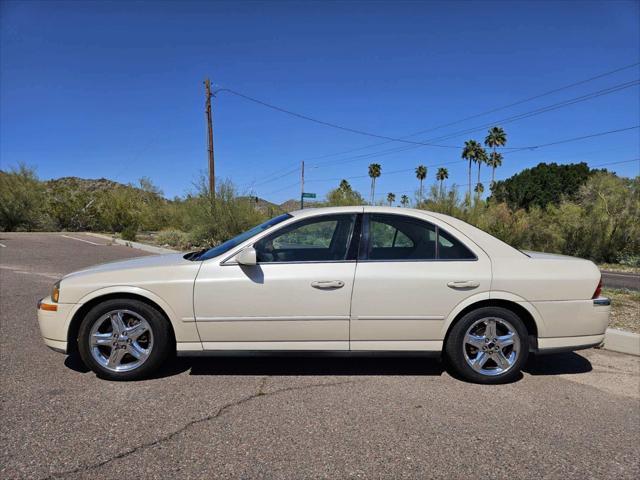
x=173 y=238
x=23 y=203
x=129 y=233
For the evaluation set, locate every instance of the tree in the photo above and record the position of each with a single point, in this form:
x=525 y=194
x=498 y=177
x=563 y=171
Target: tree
x=404 y=201
x=344 y=195
x=441 y=176
x=421 y=174
x=470 y=153
x=391 y=197
x=375 y=170
x=479 y=188
x=22 y=200
x=495 y=160
x=543 y=184
x=481 y=158
x=496 y=137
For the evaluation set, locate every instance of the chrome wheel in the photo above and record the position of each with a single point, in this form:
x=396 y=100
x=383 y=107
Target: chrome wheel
x=491 y=346
x=121 y=340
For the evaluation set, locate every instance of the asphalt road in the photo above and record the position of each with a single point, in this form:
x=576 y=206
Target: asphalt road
x=630 y=281
x=569 y=416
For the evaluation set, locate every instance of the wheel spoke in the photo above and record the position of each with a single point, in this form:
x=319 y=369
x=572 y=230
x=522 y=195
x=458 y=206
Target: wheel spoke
x=477 y=341
x=490 y=330
x=138 y=329
x=480 y=360
x=505 y=340
x=137 y=351
x=502 y=361
x=117 y=322
x=101 y=339
x=115 y=358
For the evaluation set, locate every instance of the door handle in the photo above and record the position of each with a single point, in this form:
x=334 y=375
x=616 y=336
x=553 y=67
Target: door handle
x=328 y=284
x=463 y=284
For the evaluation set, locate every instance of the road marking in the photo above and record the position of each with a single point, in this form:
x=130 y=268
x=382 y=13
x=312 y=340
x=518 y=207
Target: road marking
x=85 y=241
x=3 y=245
x=20 y=270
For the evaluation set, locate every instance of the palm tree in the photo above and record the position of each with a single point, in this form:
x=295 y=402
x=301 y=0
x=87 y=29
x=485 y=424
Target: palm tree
x=441 y=176
x=374 y=172
x=495 y=160
x=404 y=200
x=496 y=137
x=481 y=157
x=470 y=153
x=479 y=188
x=421 y=174
x=391 y=197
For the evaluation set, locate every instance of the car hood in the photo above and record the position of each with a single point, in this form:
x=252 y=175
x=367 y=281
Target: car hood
x=148 y=262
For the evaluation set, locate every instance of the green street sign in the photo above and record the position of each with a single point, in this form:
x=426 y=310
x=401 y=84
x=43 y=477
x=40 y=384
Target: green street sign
x=308 y=195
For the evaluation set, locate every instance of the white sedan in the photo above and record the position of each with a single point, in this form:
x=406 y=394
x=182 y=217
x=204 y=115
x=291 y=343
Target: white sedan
x=333 y=279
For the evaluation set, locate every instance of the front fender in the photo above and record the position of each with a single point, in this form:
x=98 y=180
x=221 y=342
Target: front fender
x=185 y=331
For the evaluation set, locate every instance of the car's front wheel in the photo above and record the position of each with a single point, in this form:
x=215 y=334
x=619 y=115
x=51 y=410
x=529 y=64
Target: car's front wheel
x=488 y=345
x=123 y=339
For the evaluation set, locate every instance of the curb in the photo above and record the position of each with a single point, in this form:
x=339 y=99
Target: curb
x=138 y=245
x=621 y=341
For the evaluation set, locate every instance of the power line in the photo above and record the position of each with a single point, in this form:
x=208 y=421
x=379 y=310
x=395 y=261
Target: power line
x=575 y=139
x=402 y=139
x=520 y=116
x=440 y=164
x=534 y=147
x=329 y=124
x=548 y=108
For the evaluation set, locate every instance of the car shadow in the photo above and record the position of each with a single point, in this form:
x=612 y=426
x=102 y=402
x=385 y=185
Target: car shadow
x=327 y=364
x=303 y=365
x=557 y=364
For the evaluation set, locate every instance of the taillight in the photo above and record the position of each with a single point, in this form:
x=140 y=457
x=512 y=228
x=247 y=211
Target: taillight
x=598 y=291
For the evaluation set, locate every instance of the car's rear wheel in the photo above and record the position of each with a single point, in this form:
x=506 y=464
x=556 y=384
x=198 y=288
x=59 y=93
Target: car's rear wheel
x=123 y=339
x=488 y=345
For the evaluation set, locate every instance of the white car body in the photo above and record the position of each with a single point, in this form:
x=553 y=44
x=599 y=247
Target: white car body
x=405 y=305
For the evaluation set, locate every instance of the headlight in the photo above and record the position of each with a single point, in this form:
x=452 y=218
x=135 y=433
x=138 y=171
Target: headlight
x=55 y=294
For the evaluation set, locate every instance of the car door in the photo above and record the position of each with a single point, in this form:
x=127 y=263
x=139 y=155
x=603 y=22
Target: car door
x=410 y=275
x=297 y=296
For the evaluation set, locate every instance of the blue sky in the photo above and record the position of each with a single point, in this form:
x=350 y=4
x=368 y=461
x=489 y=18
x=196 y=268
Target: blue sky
x=114 y=89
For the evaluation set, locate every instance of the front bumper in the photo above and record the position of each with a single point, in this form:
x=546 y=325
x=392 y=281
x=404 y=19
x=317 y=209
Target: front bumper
x=53 y=319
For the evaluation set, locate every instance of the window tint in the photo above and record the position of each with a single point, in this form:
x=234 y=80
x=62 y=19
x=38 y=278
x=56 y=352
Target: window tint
x=451 y=249
x=387 y=236
x=397 y=237
x=323 y=238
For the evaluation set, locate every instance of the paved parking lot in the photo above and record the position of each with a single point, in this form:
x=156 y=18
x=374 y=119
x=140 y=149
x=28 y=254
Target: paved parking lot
x=570 y=416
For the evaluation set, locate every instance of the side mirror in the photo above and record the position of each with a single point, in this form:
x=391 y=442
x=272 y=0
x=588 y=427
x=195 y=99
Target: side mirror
x=247 y=256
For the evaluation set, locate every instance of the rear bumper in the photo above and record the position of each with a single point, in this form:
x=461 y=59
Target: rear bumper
x=573 y=325
x=573 y=318
x=568 y=344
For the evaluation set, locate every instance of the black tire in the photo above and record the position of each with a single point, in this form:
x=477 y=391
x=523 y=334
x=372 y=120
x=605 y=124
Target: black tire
x=457 y=351
x=160 y=334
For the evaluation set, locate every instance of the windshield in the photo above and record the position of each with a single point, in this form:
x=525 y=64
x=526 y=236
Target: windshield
x=235 y=241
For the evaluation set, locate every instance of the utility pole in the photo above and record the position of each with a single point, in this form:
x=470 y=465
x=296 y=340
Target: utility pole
x=302 y=186
x=212 y=181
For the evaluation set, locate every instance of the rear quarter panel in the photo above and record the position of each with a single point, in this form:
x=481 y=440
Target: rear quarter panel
x=546 y=279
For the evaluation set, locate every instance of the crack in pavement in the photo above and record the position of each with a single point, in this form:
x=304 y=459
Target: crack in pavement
x=259 y=393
